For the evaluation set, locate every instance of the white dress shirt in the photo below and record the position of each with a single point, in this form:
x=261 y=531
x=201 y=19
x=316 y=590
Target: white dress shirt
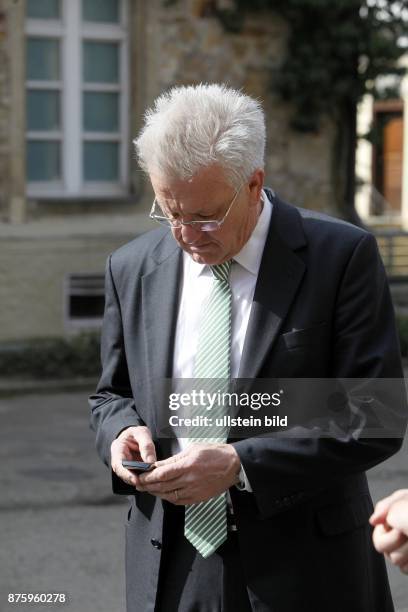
x=196 y=285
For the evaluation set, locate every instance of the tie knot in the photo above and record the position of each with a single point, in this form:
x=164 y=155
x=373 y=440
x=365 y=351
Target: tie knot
x=221 y=271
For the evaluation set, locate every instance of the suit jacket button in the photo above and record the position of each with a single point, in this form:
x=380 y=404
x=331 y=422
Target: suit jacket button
x=156 y=544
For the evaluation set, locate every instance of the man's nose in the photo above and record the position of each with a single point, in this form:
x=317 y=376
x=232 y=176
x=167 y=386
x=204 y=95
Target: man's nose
x=190 y=233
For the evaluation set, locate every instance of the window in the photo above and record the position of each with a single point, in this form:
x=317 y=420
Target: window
x=77 y=98
x=84 y=300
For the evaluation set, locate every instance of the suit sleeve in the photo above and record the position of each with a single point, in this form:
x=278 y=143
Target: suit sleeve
x=112 y=406
x=365 y=346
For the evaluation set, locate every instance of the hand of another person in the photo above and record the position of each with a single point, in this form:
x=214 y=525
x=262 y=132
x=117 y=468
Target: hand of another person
x=390 y=521
x=134 y=444
x=196 y=474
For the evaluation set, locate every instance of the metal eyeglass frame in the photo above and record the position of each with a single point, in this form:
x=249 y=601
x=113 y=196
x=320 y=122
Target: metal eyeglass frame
x=211 y=225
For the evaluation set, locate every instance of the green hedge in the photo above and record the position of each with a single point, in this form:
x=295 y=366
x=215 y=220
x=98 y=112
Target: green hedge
x=78 y=356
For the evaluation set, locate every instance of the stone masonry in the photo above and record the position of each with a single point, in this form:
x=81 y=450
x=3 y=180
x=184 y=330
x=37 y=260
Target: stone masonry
x=42 y=241
x=4 y=110
x=187 y=44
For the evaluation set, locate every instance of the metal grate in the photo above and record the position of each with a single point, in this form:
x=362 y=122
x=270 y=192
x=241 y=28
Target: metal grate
x=393 y=246
x=84 y=299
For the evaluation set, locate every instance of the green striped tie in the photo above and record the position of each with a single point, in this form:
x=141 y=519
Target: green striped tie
x=206 y=522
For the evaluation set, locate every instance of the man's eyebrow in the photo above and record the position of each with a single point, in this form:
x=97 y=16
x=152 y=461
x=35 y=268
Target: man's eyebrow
x=205 y=213
x=200 y=213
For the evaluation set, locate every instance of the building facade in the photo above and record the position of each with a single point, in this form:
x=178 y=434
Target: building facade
x=382 y=160
x=75 y=79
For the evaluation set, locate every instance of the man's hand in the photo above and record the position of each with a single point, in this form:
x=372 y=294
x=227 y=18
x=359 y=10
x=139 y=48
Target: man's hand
x=134 y=444
x=196 y=474
x=390 y=521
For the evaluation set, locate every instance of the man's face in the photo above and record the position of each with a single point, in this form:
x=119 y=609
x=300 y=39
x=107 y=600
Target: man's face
x=207 y=196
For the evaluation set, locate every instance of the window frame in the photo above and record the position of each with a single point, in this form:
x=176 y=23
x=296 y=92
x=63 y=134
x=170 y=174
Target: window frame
x=71 y=31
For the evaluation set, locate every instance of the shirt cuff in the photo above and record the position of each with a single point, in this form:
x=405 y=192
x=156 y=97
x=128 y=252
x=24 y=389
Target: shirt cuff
x=243 y=484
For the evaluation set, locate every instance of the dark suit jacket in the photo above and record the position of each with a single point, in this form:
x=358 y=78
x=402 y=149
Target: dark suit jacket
x=321 y=309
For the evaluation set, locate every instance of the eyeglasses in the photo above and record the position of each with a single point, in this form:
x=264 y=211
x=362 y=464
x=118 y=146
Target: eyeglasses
x=203 y=226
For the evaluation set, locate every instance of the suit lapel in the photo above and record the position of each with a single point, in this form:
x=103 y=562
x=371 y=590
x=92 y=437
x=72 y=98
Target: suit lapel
x=160 y=297
x=280 y=274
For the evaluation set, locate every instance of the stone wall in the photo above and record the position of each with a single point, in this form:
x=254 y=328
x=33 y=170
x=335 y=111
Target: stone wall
x=12 y=111
x=4 y=110
x=182 y=43
x=32 y=275
x=186 y=43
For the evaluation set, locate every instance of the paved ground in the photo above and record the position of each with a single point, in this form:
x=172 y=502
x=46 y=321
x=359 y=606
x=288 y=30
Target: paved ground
x=61 y=529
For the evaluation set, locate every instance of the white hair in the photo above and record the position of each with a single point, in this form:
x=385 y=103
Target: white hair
x=190 y=128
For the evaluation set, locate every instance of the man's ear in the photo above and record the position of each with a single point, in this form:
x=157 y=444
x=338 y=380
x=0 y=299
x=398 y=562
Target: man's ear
x=256 y=185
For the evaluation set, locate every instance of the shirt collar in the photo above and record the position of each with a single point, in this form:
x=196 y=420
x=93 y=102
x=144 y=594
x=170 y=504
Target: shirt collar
x=249 y=257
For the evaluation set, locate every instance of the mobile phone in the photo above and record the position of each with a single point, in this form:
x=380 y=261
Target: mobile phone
x=138 y=466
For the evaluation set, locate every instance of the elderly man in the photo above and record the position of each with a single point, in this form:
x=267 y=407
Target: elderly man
x=238 y=284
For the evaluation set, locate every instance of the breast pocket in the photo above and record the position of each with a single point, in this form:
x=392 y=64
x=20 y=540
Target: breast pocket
x=300 y=353
x=310 y=336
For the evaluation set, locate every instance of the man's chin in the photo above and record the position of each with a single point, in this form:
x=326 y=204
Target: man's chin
x=201 y=258
x=204 y=257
